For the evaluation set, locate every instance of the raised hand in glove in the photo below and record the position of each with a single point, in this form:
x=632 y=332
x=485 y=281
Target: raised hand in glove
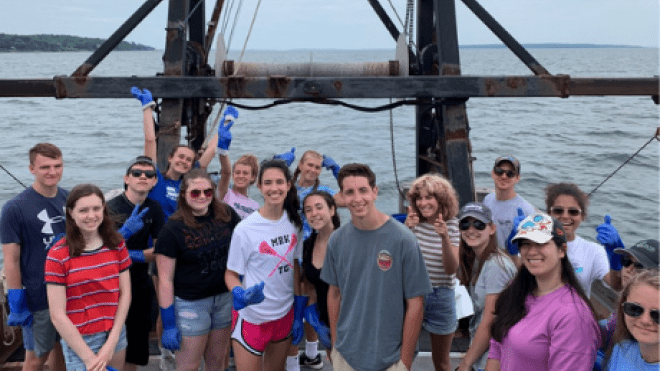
x=224 y=135
x=330 y=164
x=144 y=96
x=287 y=157
x=134 y=223
x=513 y=247
x=609 y=237
x=244 y=297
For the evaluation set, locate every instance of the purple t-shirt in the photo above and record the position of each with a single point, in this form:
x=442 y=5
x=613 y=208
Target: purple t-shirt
x=559 y=333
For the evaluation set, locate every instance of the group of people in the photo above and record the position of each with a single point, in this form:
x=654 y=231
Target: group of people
x=228 y=272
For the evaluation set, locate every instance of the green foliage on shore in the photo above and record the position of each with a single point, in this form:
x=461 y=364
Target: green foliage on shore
x=58 y=43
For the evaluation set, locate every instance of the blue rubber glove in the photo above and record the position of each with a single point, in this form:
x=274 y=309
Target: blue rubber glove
x=110 y=368
x=609 y=237
x=144 y=97
x=330 y=164
x=513 y=247
x=171 y=338
x=19 y=314
x=312 y=317
x=137 y=256
x=287 y=157
x=244 y=297
x=224 y=135
x=298 y=330
x=599 y=364
x=134 y=223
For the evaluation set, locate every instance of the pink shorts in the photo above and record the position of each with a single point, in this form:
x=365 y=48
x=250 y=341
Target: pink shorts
x=255 y=338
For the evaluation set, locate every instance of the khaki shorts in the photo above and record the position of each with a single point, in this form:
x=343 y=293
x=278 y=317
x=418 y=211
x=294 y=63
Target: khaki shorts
x=340 y=364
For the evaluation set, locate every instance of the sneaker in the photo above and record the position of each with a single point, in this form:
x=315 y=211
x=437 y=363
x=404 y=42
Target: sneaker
x=314 y=363
x=167 y=362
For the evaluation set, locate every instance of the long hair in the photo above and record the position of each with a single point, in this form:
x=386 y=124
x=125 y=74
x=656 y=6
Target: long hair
x=644 y=277
x=510 y=305
x=440 y=189
x=330 y=201
x=248 y=160
x=308 y=153
x=555 y=190
x=291 y=202
x=467 y=256
x=74 y=238
x=184 y=211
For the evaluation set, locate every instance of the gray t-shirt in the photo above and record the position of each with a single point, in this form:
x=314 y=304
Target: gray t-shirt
x=504 y=212
x=495 y=275
x=376 y=271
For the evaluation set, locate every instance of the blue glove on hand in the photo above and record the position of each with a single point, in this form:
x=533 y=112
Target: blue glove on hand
x=299 y=305
x=143 y=96
x=224 y=135
x=19 y=314
x=171 y=338
x=287 y=157
x=134 y=223
x=244 y=297
x=110 y=368
x=312 y=317
x=330 y=164
x=609 y=237
x=513 y=247
x=137 y=256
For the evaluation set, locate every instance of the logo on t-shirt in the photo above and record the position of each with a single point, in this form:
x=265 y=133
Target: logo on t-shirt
x=266 y=249
x=172 y=193
x=384 y=260
x=48 y=221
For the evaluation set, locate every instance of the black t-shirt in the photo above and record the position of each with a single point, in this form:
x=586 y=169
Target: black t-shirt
x=313 y=275
x=200 y=253
x=120 y=209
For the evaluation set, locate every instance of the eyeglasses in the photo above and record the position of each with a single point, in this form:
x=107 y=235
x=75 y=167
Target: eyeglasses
x=138 y=173
x=499 y=171
x=626 y=261
x=464 y=225
x=195 y=193
x=558 y=210
x=636 y=310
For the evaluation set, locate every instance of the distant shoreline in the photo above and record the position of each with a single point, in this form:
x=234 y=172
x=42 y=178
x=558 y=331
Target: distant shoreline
x=59 y=43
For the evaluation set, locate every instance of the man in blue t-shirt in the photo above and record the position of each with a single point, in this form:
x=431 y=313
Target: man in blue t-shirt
x=29 y=225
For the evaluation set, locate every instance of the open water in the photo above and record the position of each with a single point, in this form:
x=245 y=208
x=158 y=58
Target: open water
x=578 y=139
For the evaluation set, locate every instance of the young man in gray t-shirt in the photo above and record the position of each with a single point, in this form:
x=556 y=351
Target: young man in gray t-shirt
x=377 y=280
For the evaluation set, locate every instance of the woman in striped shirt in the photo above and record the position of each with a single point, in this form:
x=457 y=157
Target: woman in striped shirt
x=88 y=284
x=432 y=218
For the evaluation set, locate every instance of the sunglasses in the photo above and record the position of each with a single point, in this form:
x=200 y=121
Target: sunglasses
x=138 y=173
x=499 y=171
x=195 y=193
x=626 y=261
x=636 y=310
x=464 y=225
x=560 y=211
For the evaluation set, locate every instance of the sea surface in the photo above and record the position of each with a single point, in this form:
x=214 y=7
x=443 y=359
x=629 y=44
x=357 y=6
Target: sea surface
x=579 y=139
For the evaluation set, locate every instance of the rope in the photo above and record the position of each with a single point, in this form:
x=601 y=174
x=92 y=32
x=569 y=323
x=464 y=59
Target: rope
x=397 y=15
x=396 y=176
x=233 y=27
x=625 y=162
x=247 y=38
x=11 y=175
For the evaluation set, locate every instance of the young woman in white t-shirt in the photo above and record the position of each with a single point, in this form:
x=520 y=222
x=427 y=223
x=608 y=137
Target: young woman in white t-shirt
x=265 y=250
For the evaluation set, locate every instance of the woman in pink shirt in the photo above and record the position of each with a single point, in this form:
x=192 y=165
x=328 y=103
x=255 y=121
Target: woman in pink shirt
x=543 y=319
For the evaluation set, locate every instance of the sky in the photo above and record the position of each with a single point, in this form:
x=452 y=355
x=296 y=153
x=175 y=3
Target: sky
x=348 y=24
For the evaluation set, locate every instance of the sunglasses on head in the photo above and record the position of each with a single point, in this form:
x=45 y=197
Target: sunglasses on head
x=626 y=261
x=138 y=173
x=636 y=310
x=195 y=193
x=499 y=171
x=558 y=210
x=464 y=225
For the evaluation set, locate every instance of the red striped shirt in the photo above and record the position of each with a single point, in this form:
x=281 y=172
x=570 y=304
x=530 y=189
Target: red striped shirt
x=92 y=284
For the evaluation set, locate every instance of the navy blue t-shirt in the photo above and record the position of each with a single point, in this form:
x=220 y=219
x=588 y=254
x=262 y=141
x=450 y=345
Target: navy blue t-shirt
x=32 y=221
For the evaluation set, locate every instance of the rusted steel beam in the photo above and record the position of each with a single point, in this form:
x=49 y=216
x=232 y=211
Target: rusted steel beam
x=176 y=87
x=213 y=25
x=116 y=38
x=505 y=37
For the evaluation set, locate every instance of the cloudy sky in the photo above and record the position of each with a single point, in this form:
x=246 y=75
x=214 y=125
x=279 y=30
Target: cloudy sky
x=349 y=24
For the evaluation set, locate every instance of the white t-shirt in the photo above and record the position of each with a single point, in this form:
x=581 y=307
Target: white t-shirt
x=589 y=260
x=503 y=214
x=264 y=250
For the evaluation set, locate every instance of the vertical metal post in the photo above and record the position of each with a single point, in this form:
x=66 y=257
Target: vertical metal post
x=196 y=42
x=453 y=145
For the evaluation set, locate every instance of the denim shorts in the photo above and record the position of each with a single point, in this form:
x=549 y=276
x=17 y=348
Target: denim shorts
x=94 y=342
x=41 y=336
x=199 y=317
x=440 y=311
